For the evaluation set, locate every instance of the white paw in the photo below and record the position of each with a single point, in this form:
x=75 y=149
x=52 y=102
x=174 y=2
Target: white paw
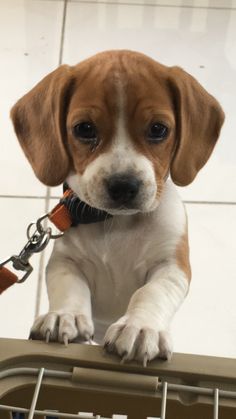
x=136 y=338
x=62 y=327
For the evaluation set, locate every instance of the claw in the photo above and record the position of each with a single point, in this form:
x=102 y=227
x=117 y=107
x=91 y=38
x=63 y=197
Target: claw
x=65 y=339
x=91 y=340
x=88 y=338
x=124 y=357
x=104 y=348
x=145 y=360
x=166 y=356
x=48 y=334
x=108 y=347
x=106 y=344
x=31 y=336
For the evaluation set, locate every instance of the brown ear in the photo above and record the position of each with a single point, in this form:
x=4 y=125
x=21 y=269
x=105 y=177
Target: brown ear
x=199 y=120
x=39 y=122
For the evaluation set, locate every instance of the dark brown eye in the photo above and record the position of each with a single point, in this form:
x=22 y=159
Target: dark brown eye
x=86 y=132
x=157 y=132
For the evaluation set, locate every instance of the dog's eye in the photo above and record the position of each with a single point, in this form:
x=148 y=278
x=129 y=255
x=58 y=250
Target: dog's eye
x=85 y=131
x=157 y=132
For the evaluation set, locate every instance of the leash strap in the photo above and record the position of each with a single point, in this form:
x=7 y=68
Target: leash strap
x=37 y=241
x=60 y=215
x=7 y=279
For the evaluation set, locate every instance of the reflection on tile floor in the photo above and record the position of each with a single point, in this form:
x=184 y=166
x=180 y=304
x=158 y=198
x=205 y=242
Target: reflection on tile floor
x=194 y=34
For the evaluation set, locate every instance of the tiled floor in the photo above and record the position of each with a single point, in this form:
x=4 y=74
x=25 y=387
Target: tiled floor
x=195 y=34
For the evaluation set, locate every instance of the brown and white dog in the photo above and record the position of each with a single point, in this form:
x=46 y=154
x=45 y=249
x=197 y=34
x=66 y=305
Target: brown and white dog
x=114 y=127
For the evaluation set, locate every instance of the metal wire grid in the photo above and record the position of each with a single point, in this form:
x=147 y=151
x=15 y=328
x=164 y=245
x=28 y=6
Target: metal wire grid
x=163 y=388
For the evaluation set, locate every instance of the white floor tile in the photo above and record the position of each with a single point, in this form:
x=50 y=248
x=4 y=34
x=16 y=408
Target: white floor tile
x=206 y=323
x=198 y=39
x=29 y=49
x=17 y=304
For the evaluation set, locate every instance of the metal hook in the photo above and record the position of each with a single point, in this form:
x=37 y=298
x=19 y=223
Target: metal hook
x=40 y=228
x=37 y=241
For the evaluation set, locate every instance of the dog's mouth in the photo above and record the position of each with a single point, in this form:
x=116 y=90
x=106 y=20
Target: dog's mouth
x=106 y=206
x=103 y=205
x=113 y=209
x=123 y=210
x=129 y=208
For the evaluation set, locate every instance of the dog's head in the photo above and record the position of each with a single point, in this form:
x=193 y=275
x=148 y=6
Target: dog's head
x=114 y=126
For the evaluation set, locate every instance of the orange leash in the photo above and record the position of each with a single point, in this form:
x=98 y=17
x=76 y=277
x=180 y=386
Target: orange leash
x=7 y=279
x=60 y=217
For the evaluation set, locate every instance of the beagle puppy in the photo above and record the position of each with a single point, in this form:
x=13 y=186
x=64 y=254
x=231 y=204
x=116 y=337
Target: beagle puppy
x=121 y=130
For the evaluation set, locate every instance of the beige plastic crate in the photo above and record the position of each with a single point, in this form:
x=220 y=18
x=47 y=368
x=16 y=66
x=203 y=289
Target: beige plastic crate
x=40 y=379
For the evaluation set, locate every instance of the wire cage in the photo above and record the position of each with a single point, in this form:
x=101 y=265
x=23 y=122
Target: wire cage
x=51 y=381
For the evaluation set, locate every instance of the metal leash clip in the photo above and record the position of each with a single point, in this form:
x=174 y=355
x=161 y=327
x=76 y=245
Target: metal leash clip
x=38 y=238
x=37 y=241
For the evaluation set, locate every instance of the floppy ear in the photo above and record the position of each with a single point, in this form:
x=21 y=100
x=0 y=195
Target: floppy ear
x=199 y=118
x=40 y=124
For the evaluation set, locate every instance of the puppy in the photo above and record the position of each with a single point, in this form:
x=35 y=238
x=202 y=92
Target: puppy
x=121 y=130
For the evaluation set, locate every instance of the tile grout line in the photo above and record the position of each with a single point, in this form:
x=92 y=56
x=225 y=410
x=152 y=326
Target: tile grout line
x=209 y=202
x=63 y=32
x=126 y=3
x=48 y=189
x=23 y=196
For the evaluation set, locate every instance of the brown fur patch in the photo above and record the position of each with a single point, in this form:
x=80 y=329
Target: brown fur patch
x=182 y=255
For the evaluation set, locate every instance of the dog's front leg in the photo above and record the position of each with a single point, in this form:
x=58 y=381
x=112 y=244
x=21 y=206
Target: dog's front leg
x=143 y=332
x=70 y=313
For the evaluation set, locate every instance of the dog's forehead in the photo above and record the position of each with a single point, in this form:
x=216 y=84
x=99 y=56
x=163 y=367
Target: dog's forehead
x=101 y=80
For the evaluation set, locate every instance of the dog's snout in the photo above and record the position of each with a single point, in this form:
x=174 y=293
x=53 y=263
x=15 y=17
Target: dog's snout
x=123 y=188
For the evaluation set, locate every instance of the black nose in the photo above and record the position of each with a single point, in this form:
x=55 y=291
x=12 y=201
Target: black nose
x=123 y=188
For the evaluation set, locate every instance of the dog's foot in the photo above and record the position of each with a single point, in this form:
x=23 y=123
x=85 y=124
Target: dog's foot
x=62 y=327
x=132 y=338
